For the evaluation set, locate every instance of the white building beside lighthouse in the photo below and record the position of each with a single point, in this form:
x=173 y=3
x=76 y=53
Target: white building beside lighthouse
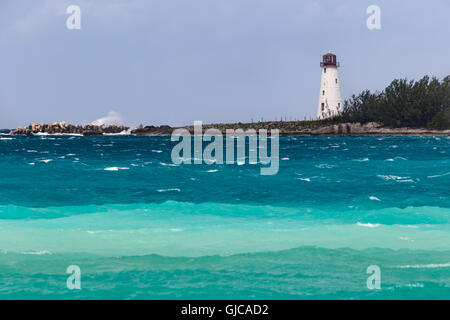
x=330 y=102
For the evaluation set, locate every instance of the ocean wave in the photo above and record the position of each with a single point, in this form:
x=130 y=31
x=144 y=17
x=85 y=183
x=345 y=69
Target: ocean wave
x=122 y=133
x=415 y=285
x=395 y=178
x=408 y=226
x=439 y=175
x=168 y=164
x=170 y=190
x=325 y=166
x=368 y=225
x=38 y=253
x=116 y=168
x=425 y=266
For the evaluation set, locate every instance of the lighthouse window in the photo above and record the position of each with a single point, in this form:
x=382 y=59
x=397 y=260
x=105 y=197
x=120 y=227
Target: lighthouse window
x=324 y=70
x=336 y=80
x=323 y=106
x=323 y=92
x=339 y=104
x=328 y=59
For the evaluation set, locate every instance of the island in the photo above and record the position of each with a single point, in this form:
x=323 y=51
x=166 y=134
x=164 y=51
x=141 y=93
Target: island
x=415 y=108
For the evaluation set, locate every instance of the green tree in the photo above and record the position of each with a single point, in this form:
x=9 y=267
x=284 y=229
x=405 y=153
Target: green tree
x=402 y=104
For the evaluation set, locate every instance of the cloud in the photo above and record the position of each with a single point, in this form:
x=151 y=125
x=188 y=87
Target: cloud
x=111 y=118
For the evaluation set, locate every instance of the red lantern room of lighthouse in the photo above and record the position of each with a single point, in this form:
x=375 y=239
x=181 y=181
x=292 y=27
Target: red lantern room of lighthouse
x=329 y=59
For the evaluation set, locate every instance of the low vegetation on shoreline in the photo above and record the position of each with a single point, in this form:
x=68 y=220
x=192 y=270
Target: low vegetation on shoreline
x=414 y=104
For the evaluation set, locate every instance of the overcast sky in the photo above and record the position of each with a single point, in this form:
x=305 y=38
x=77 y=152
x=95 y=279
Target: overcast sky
x=176 y=61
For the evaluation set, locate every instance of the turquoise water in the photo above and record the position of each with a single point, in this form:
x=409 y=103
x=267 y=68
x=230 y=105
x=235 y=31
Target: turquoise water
x=140 y=227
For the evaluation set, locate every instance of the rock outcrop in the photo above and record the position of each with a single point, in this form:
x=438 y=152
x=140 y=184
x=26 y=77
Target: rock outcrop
x=152 y=130
x=64 y=128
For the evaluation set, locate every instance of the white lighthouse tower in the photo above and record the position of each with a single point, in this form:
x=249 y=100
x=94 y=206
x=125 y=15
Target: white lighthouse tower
x=330 y=102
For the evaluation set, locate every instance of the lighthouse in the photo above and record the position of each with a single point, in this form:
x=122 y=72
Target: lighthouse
x=330 y=102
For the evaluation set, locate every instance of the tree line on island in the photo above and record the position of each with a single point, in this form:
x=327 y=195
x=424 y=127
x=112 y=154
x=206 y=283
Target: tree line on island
x=424 y=103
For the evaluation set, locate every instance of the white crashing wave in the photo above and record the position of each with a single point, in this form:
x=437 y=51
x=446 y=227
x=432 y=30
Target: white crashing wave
x=42 y=252
x=439 y=175
x=123 y=133
x=93 y=231
x=169 y=190
x=395 y=178
x=111 y=118
x=361 y=160
x=168 y=164
x=325 y=166
x=116 y=168
x=368 y=225
x=425 y=266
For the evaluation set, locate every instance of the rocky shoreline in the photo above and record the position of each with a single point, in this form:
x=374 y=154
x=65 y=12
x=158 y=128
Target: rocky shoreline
x=153 y=131
x=64 y=128
x=286 y=128
x=317 y=128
